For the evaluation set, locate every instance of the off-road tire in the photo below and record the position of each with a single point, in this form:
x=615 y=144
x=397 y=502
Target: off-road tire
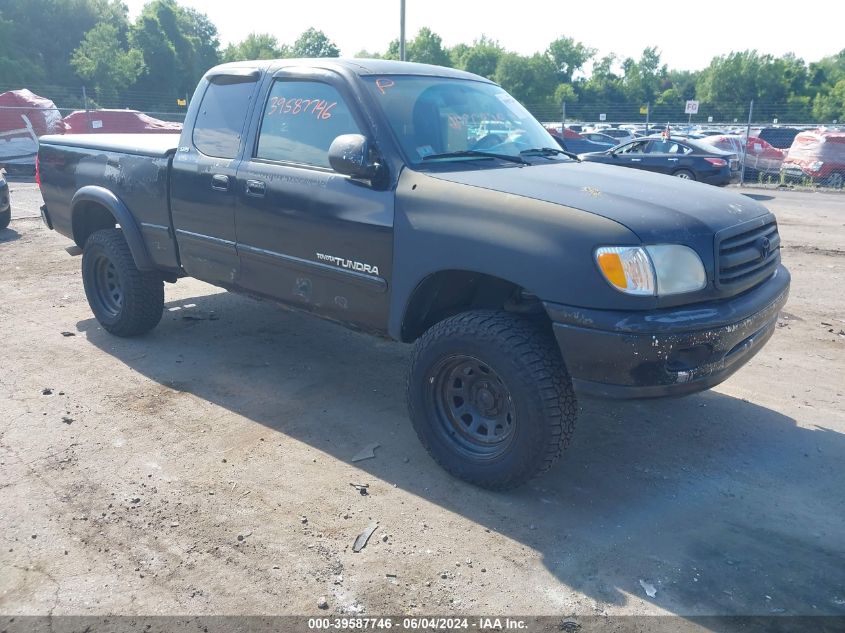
x=125 y=300
x=5 y=218
x=523 y=356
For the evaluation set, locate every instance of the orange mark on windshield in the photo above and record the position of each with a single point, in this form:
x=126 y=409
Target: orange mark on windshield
x=384 y=84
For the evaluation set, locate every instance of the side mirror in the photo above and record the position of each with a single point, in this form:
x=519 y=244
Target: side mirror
x=349 y=154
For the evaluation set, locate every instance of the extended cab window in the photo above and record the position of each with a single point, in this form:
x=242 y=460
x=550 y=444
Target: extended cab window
x=222 y=114
x=301 y=119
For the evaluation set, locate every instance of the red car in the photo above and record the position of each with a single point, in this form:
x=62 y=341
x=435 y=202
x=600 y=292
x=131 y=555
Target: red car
x=760 y=156
x=818 y=155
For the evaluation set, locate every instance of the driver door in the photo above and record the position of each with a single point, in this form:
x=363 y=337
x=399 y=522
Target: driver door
x=306 y=235
x=632 y=155
x=666 y=156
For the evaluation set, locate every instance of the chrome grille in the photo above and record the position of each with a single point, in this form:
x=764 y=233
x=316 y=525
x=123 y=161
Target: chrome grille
x=747 y=254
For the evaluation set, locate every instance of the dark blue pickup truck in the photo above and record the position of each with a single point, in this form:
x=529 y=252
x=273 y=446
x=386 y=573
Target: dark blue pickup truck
x=427 y=205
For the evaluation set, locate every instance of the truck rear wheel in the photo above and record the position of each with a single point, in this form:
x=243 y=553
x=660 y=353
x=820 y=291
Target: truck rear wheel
x=125 y=300
x=490 y=397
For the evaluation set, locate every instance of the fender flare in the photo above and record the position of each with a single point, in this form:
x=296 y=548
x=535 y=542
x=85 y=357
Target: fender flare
x=123 y=217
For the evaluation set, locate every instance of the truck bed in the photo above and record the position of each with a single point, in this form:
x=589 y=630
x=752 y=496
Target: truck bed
x=155 y=145
x=133 y=168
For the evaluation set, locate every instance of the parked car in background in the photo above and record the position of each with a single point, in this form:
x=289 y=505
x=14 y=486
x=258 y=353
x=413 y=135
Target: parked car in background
x=5 y=202
x=599 y=137
x=683 y=158
x=780 y=137
x=24 y=117
x=621 y=136
x=818 y=155
x=651 y=131
x=576 y=143
x=761 y=158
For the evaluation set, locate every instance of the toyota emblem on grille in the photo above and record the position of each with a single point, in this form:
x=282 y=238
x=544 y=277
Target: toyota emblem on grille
x=764 y=246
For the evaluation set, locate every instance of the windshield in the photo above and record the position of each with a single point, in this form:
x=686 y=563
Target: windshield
x=436 y=115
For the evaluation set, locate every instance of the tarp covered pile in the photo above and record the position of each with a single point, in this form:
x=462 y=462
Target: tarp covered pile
x=24 y=116
x=117 y=122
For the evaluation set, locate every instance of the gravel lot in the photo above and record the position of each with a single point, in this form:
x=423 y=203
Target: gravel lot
x=206 y=468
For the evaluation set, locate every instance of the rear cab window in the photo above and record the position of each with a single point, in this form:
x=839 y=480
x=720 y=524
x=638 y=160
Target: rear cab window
x=219 y=126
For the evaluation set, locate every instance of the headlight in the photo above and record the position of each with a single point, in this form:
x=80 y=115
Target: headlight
x=678 y=269
x=661 y=269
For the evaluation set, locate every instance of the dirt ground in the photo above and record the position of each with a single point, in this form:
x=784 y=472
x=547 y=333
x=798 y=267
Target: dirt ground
x=206 y=468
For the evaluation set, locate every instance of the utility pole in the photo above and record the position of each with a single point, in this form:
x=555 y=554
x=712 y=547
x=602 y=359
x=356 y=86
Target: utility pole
x=402 y=30
x=745 y=144
x=85 y=100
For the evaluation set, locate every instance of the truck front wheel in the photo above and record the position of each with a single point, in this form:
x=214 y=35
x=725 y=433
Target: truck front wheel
x=490 y=398
x=125 y=300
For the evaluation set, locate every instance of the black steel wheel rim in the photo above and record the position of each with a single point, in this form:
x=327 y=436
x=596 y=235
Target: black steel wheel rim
x=473 y=407
x=107 y=287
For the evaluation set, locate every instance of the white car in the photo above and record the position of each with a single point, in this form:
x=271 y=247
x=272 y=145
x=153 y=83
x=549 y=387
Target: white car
x=621 y=136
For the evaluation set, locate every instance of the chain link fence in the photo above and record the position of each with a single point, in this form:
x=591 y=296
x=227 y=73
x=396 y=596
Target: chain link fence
x=70 y=98
x=779 y=144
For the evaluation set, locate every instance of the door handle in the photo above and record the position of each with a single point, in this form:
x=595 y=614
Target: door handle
x=673 y=160
x=636 y=160
x=219 y=182
x=255 y=188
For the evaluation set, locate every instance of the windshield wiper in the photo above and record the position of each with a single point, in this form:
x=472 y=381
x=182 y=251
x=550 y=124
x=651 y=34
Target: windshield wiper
x=474 y=153
x=548 y=151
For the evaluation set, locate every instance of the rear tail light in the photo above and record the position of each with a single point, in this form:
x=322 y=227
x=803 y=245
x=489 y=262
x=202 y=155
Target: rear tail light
x=37 y=170
x=717 y=162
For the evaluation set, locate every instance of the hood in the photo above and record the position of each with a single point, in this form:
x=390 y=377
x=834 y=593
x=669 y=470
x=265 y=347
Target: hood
x=656 y=207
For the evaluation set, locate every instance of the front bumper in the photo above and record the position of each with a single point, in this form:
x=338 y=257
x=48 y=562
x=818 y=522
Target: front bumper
x=795 y=174
x=669 y=352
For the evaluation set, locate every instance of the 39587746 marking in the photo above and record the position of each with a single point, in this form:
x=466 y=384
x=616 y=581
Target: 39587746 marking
x=349 y=623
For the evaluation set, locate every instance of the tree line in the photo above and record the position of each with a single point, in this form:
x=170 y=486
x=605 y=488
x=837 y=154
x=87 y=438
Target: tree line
x=151 y=61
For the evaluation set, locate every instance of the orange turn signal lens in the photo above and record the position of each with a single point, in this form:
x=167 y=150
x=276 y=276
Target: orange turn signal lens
x=611 y=266
x=627 y=268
